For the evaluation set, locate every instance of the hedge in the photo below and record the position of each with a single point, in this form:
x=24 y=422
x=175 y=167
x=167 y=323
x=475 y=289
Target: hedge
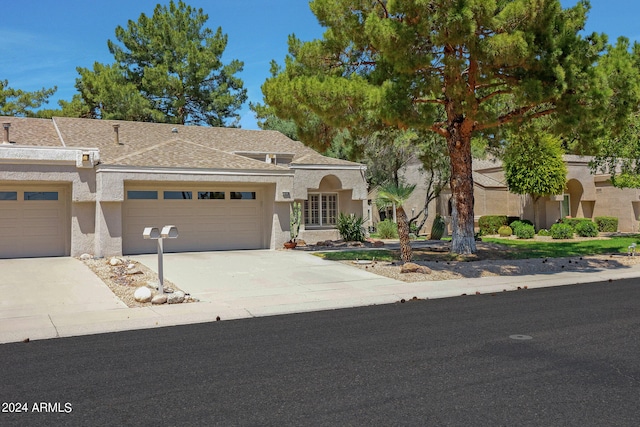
x=606 y=224
x=561 y=231
x=587 y=229
x=573 y=222
x=524 y=231
x=489 y=224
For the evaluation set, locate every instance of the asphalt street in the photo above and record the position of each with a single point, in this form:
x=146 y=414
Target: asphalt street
x=566 y=356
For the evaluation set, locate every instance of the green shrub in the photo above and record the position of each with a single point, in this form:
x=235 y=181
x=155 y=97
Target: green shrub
x=489 y=224
x=524 y=231
x=607 y=224
x=505 y=231
x=387 y=229
x=511 y=219
x=518 y=223
x=587 y=229
x=561 y=231
x=351 y=227
x=437 y=229
x=573 y=222
x=544 y=232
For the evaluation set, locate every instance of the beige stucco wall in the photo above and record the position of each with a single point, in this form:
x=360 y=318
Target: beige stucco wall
x=345 y=179
x=111 y=181
x=108 y=234
x=620 y=203
x=83 y=228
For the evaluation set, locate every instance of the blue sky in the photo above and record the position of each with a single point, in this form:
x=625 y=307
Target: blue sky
x=43 y=41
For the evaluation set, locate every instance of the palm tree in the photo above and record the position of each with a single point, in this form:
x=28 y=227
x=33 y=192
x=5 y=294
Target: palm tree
x=396 y=195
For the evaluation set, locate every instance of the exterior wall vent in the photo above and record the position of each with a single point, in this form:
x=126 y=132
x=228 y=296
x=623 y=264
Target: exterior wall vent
x=116 y=134
x=5 y=133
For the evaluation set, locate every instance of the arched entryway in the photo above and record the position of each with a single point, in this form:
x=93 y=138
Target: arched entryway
x=571 y=205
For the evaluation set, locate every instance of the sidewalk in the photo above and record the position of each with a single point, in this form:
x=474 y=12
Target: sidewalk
x=335 y=288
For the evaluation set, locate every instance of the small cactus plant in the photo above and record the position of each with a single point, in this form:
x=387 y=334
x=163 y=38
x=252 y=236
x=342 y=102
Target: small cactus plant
x=437 y=229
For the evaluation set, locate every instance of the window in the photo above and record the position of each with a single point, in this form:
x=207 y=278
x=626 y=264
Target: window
x=321 y=209
x=142 y=195
x=8 y=195
x=41 y=195
x=243 y=195
x=178 y=195
x=565 y=206
x=211 y=195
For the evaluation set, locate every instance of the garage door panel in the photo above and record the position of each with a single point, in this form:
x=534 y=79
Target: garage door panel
x=8 y=213
x=42 y=231
x=211 y=224
x=34 y=228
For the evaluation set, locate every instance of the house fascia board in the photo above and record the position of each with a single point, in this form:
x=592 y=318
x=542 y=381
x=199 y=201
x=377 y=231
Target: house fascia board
x=262 y=153
x=186 y=171
x=112 y=179
x=328 y=167
x=21 y=154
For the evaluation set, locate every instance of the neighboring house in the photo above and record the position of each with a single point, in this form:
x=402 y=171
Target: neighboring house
x=71 y=186
x=586 y=195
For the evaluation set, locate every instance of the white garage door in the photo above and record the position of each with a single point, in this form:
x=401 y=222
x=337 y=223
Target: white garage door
x=33 y=222
x=207 y=219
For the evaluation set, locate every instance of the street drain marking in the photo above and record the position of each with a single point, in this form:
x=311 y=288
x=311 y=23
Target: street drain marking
x=521 y=337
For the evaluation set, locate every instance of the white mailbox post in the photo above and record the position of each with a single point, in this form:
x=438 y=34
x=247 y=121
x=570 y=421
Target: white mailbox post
x=168 y=232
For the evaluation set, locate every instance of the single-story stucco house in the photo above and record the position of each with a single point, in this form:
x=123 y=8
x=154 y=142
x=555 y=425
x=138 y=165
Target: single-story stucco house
x=587 y=195
x=70 y=186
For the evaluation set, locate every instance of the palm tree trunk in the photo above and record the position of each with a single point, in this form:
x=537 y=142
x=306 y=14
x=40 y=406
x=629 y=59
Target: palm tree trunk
x=403 y=234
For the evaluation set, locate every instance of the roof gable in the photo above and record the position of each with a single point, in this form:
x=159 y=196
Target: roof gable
x=187 y=154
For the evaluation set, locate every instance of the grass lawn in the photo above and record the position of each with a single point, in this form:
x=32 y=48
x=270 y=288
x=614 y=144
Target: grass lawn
x=496 y=248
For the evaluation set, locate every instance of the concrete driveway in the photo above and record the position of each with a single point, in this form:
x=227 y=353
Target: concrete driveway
x=34 y=289
x=271 y=282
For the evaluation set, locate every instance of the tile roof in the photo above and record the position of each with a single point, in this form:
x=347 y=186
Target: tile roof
x=486 y=181
x=164 y=145
x=33 y=132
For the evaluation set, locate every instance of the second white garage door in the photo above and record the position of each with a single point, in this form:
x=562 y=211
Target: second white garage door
x=207 y=219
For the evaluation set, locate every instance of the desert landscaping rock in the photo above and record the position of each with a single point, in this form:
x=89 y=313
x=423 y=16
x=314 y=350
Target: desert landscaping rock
x=176 y=297
x=159 y=299
x=142 y=294
x=85 y=257
x=124 y=285
x=411 y=267
x=115 y=261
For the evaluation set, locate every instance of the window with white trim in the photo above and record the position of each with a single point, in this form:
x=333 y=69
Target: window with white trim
x=321 y=209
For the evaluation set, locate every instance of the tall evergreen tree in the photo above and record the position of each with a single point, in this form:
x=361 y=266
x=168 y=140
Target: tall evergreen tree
x=456 y=68
x=17 y=102
x=168 y=69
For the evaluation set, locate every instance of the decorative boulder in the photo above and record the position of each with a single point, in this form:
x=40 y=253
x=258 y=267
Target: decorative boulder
x=410 y=267
x=159 y=299
x=115 y=261
x=85 y=257
x=142 y=294
x=175 y=298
